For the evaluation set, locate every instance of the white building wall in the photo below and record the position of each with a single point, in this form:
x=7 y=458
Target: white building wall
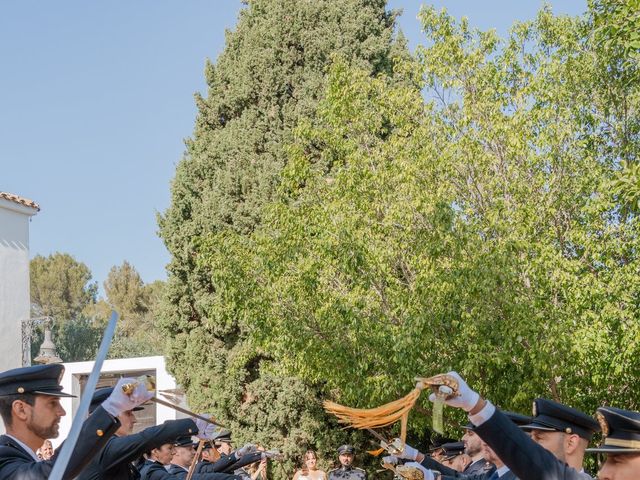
x=128 y=367
x=14 y=280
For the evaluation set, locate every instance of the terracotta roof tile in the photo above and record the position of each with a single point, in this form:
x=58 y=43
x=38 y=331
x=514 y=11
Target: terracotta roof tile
x=17 y=199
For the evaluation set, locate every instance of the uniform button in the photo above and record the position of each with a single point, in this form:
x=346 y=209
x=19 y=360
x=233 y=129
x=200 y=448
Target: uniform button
x=99 y=433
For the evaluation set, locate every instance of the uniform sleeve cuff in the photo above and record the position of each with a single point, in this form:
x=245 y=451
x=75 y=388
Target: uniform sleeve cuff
x=483 y=415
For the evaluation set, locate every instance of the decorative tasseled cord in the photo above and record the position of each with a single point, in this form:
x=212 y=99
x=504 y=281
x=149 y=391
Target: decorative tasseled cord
x=378 y=417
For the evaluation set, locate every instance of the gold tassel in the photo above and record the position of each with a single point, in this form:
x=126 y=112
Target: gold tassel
x=390 y=413
x=376 y=453
x=382 y=416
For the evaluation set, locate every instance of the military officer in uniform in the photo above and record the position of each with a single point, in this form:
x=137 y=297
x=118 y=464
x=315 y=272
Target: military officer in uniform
x=473 y=448
x=31 y=411
x=526 y=458
x=114 y=462
x=563 y=430
x=159 y=463
x=498 y=469
x=154 y=466
x=230 y=460
x=183 y=455
x=346 y=471
x=621 y=444
x=453 y=456
x=435 y=450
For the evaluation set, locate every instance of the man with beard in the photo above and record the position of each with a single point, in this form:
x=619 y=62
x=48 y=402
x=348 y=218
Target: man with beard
x=526 y=458
x=114 y=462
x=473 y=448
x=31 y=411
x=346 y=471
x=497 y=471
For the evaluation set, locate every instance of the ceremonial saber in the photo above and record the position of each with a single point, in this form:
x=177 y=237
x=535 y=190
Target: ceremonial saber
x=377 y=435
x=180 y=409
x=192 y=467
x=150 y=383
x=62 y=460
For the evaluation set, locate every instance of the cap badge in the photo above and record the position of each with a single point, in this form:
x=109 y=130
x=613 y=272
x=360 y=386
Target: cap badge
x=535 y=409
x=603 y=423
x=20 y=390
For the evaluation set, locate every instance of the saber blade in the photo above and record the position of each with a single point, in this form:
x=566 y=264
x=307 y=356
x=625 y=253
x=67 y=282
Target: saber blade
x=67 y=447
x=186 y=412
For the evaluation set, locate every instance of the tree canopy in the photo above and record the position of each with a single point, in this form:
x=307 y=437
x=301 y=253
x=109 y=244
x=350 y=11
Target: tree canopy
x=470 y=208
x=268 y=79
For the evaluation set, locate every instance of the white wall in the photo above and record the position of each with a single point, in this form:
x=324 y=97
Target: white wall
x=164 y=381
x=14 y=280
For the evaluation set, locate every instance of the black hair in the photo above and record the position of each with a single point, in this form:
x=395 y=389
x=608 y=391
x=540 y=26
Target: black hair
x=6 y=405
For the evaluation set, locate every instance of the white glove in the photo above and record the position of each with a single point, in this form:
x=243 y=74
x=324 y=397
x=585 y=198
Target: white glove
x=206 y=430
x=246 y=449
x=273 y=454
x=119 y=402
x=391 y=460
x=466 y=398
x=408 y=452
x=428 y=474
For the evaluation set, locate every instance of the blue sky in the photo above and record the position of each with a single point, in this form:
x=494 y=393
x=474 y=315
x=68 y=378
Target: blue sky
x=96 y=99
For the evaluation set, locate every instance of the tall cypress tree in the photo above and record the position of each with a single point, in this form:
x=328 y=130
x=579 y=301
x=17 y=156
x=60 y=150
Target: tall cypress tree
x=268 y=79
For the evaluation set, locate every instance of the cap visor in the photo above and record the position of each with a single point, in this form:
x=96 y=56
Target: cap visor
x=611 y=449
x=537 y=426
x=54 y=394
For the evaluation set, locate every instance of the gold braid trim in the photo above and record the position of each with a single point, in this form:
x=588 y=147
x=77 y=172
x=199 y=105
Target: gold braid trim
x=390 y=413
x=382 y=416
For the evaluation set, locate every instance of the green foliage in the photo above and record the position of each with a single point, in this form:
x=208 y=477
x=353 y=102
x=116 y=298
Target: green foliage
x=476 y=210
x=78 y=339
x=269 y=79
x=125 y=291
x=60 y=286
x=137 y=304
x=617 y=29
x=475 y=231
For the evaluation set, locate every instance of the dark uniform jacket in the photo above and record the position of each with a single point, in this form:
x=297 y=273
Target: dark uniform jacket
x=114 y=461
x=152 y=470
x=155 y=471
x=347 y=473
x=478 y=467
x=229 y=463
x=526 y=459
x=447 y=473
x=17 y=464
x=480 y=476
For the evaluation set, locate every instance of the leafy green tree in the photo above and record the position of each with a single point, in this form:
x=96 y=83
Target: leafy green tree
x=60 y=286
x=137 y=304
x=475 y=231
x=269 y=78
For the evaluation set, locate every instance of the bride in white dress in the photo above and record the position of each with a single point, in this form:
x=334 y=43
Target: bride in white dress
x=310 y=470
